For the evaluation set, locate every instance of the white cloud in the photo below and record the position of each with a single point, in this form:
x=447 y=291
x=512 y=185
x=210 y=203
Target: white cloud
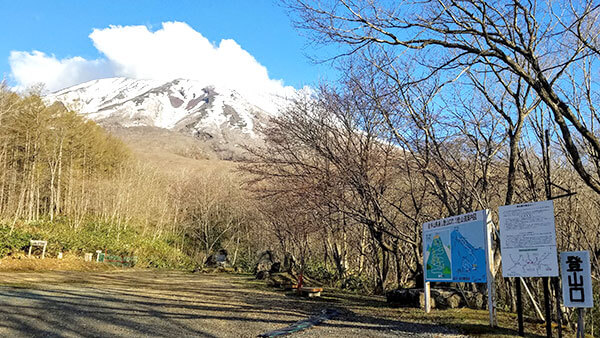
x=30 y=69
x=174 y=51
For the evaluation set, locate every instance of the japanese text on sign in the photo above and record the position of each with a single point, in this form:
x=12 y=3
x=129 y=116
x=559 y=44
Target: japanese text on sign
x=528 y=240
x=576 y=279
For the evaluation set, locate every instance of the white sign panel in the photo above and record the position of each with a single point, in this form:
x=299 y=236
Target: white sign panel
x=528 y=240
x=576 y=279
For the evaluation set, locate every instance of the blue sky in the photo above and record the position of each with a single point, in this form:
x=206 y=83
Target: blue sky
x=61 y=29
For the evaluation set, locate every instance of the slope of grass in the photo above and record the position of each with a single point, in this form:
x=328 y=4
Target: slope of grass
x=63 y=237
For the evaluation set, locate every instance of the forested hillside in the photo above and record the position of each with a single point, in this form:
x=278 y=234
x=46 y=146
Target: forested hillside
x=65 y=179
x=452 y=148
x=344 y=179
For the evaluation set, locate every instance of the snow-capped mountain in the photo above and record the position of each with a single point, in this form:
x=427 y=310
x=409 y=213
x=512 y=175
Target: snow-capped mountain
x=180 y=105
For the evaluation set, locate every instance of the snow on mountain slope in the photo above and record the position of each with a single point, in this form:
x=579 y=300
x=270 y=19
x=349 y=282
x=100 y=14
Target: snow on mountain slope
x=179 y=105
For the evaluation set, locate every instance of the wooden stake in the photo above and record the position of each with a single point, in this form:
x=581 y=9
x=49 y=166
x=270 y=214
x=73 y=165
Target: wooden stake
x=547 y=307
x=557 y=300
x=519 y=308
x=580 y=323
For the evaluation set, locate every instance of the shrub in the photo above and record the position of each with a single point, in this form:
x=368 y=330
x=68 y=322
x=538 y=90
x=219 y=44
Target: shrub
x=245 y=263
x=93 y=235
x=158 y=254
x=11 y=242
x=356 y=283
x=319 y=271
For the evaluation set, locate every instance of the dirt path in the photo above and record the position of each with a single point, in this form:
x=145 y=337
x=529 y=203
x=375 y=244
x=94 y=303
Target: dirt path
x=174 y=304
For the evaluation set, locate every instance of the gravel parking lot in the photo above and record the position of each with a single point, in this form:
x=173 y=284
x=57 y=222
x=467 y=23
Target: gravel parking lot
x=174 y=304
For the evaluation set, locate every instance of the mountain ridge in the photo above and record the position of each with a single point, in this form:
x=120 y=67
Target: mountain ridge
x=221 y=117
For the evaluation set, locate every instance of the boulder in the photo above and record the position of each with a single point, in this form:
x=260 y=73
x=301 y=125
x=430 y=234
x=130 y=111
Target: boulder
x=447 y=299
x=289 y=263
x=218 y=259
x=221 y=258
x=265 y=262
x=262 y=274
x=440 y=298
x=275 y=267
x=476 y=300
x=282 y=280
x=408 y=298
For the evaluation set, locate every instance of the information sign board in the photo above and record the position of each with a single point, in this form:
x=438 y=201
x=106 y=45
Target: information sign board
x=455 y=248
x=576 y=279
x=528 y=240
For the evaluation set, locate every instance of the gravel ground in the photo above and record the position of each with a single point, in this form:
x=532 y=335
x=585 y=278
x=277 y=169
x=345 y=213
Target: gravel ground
x=174 y=304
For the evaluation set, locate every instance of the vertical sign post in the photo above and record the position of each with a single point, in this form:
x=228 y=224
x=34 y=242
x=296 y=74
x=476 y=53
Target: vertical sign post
x=490 y=270
x=528 y=243
x=458 y=249
x=577 y=284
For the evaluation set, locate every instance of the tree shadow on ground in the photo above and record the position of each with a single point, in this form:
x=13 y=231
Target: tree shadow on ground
x=349 y=319
x=131 y=305
x=167 y=304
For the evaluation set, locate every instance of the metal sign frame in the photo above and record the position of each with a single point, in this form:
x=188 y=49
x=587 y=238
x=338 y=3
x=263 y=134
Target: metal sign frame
x=484 y=216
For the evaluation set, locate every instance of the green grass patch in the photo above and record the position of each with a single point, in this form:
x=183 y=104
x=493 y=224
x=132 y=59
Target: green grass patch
x=63 y=236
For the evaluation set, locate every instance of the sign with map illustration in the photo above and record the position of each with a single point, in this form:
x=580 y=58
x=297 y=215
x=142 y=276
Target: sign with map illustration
x=528 y=240
x=455 y=248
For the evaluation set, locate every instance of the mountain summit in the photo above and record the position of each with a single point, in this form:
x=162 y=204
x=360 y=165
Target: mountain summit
x=221 y=117
x=179 y=105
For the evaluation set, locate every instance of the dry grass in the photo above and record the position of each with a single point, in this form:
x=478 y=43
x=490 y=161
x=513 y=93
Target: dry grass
x=22 y=263
x=474 y=323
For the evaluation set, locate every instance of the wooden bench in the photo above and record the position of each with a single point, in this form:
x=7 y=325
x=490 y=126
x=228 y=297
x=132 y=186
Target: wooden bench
x=289 y=286
x=311 y=292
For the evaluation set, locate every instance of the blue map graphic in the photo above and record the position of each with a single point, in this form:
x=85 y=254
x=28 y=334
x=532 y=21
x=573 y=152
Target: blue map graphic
x=468 y=261
x=456 y=254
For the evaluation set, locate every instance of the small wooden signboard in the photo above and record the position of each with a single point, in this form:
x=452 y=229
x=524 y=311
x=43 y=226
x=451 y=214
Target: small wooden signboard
x=33 y=243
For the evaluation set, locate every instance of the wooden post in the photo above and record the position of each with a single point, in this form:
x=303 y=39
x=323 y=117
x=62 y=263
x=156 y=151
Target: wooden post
x=547 y=307
x=581 y=323
x=44 y=250
x=519 y=308
x=557 y=300
x=548 y=189
x=29 y=254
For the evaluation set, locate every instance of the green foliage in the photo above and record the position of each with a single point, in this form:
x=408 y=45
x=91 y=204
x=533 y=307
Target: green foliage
x=356 y=283
x=63 y=236
x=319 y=271
x=159 y=254
x=92 y=236
x=245 y=263
x=11 y=242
